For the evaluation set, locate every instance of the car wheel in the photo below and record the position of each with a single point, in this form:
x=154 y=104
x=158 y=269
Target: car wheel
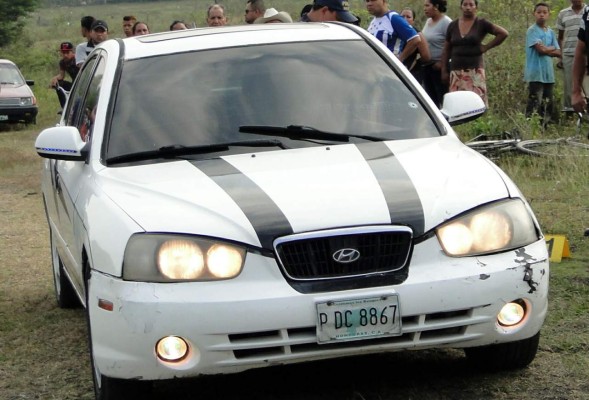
x=106 y=388
x=64 y=291
x=504 y=356
x=115 y=389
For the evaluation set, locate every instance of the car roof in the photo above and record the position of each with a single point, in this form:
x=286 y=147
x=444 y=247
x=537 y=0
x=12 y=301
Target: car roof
x=5 y=61
x=231 y=36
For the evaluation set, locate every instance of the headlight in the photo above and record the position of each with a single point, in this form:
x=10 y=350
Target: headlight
x=27 y=101
x=497 y=227
x=173 y=258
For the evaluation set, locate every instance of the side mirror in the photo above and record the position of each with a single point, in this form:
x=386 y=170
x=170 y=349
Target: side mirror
x=462 y=106
x=62 y=143
x=30 y=82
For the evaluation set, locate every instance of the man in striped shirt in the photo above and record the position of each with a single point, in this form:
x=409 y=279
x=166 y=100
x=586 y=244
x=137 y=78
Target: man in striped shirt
x=392 y=29
x=568 y=23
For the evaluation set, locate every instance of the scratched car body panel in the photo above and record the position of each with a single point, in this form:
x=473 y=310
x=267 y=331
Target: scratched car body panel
x=260 y=207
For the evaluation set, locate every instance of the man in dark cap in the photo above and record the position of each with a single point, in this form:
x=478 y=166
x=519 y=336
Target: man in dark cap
x=98 y=34
x=330 y=10
x=67 y=64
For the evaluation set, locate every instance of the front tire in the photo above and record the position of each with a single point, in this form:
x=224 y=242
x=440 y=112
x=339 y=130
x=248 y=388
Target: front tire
x=504 y=356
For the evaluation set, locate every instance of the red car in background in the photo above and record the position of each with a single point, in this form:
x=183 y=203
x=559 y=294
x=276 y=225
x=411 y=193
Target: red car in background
x=17 y=101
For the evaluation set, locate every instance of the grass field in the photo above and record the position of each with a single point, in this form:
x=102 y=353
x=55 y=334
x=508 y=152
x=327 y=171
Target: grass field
x=43 y=349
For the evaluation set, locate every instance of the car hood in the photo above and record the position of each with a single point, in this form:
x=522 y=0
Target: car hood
x=10 y=90
x=254 y=198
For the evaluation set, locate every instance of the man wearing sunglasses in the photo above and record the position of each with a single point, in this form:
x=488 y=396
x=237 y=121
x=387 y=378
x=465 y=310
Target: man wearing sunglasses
x=254 y=9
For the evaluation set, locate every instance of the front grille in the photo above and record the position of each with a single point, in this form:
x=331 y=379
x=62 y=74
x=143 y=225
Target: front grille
x=14 y=101
x=313 y=256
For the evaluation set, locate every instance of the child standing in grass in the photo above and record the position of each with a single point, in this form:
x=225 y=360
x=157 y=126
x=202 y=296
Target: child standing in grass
x=541 y=46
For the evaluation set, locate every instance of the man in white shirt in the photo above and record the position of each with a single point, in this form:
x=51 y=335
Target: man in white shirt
x=568 y=23
x=85 y=29
x=98 y=34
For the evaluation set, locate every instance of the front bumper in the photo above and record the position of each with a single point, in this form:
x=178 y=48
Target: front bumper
x=18 y=114
x=258 y=320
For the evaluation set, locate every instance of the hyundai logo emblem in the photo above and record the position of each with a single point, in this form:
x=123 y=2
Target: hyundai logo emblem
x=346 y=256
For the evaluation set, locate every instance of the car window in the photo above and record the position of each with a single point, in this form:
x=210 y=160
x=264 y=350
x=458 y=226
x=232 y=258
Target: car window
x=84 y=97
x=342 y=87
x=10 y=75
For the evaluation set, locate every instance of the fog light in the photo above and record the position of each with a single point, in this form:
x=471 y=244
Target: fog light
x=511 y=314
x=171 y=349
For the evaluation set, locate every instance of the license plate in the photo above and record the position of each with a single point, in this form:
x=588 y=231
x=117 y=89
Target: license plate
x=3 y=117
x=358 y=319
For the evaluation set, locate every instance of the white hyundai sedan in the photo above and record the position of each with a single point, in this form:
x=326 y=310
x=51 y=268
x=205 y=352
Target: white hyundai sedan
x=240 y=197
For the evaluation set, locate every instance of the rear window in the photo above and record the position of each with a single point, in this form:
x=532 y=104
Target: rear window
x=203 y=97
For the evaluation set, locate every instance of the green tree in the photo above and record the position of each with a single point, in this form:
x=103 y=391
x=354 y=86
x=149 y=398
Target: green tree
x=12 y=18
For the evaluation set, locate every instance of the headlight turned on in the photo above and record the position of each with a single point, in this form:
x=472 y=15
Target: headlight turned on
x=177 y=258
x=493 y=228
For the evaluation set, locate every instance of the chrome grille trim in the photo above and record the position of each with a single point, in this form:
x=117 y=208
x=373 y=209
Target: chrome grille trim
x=14 y=101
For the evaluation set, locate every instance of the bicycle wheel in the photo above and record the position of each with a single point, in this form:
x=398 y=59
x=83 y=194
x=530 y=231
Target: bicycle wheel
x=494 y=145
x=554 y=148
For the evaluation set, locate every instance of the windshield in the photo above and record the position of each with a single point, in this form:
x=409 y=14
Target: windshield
x=202 y=98
x=9 y=75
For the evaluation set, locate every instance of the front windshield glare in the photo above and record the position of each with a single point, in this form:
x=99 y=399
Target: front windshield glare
x=9 y=75
x=201 y=98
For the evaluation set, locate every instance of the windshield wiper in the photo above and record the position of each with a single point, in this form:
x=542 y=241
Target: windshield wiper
x=174 y=151
x=297 y=132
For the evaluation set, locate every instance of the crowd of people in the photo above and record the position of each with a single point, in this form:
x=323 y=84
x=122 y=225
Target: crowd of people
x=445 y=55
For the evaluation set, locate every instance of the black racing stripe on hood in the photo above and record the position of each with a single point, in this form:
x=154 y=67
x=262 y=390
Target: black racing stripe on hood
x=267 y=219
x=404 y=204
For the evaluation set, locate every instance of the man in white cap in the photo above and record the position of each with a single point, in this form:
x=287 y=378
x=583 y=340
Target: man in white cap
x=271 y=15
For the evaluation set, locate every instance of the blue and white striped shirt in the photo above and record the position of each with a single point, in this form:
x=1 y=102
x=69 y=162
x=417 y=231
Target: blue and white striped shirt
x=392 y=30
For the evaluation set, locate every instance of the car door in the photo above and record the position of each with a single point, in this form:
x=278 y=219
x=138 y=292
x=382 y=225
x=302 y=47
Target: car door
x=69 y=177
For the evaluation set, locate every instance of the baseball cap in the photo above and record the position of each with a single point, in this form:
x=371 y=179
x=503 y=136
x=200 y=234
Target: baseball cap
x=66 y=46
x=341 y=7
x=99 y=24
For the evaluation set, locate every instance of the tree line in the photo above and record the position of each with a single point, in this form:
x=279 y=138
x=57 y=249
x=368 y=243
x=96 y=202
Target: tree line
x=12 y=18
